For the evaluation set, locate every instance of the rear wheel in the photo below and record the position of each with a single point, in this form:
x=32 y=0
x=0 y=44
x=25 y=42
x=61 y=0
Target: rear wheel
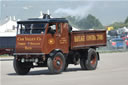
x=21 y=68
x=90 y=60
x=56 y=63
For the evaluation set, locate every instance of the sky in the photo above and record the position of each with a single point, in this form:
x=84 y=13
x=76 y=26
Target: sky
x=107 y=11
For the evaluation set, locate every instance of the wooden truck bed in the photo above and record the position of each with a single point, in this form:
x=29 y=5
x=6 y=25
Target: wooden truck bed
x=88 y=38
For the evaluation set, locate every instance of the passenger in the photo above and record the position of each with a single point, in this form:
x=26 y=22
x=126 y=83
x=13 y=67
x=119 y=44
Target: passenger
x=70 y=28
x=50 y=30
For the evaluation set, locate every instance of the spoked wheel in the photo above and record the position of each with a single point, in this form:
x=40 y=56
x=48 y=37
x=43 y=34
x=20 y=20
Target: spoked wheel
x=93 y=60
x=90 y=61
x=56 y=63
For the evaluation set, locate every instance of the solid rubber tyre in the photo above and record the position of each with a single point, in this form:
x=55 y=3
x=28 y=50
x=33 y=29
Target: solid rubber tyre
x=90 y=60
x=56 y=63
x=20 y=68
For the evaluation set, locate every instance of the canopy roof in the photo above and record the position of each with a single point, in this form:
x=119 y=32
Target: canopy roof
x=38 y=20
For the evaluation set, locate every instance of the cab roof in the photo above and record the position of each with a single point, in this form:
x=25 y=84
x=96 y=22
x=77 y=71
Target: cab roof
x=40 y=20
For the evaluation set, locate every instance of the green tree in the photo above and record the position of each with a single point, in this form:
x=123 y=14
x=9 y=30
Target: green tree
x=126 y=21
x=89 y=22
x=71 y=19
x=117 y=25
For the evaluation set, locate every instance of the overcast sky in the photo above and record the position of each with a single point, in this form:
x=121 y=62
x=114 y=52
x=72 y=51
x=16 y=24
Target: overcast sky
x=107 y=11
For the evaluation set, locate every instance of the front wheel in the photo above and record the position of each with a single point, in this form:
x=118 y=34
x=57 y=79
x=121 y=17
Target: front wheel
x=56 y=63
x=21 y=68
x=90 y=61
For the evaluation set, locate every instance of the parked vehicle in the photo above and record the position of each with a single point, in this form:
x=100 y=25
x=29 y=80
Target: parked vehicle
x=118 y=43
x=7 y=45
x=50 y=42
x=126 y=40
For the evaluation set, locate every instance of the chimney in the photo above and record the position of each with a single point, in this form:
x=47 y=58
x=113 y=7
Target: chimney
x=46 y=16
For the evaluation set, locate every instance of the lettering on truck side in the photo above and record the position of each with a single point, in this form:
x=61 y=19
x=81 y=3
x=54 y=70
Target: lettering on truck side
x=82 y=38
x=63 y=40
x=28 y=42
x=28 y=39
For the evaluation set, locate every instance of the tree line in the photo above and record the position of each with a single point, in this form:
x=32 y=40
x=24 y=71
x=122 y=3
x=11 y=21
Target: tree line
x=91 y=22
x=118 y=25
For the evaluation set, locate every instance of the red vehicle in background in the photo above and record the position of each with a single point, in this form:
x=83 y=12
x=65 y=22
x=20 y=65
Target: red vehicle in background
x=126 y=40
x=8 y=51
x=124 y=35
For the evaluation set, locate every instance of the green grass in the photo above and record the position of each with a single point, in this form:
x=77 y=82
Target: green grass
x=5 y=55
x=111 y=51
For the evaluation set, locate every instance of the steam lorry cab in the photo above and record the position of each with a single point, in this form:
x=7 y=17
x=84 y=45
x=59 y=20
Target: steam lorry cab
x=50 y=42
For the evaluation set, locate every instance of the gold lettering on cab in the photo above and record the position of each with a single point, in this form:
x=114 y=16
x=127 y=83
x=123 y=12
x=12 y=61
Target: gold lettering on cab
x=80 y=38
x=21 y=43
x=32 y=39
x=27 y=48
x=29 y=38
x=63 y=40
x=20 y=39
x=32 y=43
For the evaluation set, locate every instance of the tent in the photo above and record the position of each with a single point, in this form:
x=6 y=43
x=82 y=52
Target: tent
x=10 y=25
x=9 y=28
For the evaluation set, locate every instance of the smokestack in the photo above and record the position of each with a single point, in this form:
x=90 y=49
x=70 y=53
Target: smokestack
x=46 y=16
